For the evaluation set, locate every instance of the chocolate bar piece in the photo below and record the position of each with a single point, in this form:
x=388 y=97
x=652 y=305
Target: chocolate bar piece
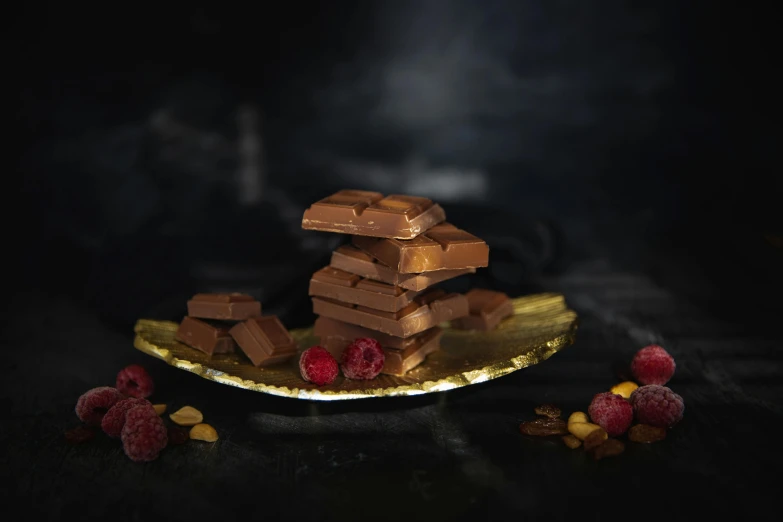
x=427 y=310
x=326 y=327
x=353 y=260
x=397 y=362
x=366 y=213
x=487 y=309
x=264 y=340
x=231 y=307
x=350 y=288
x=207 y=336
x=443 y=247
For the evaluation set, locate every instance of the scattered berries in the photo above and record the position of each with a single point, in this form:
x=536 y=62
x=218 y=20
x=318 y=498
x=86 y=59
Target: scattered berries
x=363 y=359
x=653 y=365
x=93 y=405
x=613 y=413
x=134 y=381
x=114 y=419
x=144 y=434
x=318 y=366
x=657 y=406
x=79 y=435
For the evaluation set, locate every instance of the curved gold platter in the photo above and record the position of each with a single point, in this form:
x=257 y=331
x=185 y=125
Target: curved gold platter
x=541 y=325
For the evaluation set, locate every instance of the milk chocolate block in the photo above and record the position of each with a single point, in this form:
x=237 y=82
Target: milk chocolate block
x=427 y=310
x=207 y=336
x=351 y=259
x=397 y=361
x=325 y=327
x=443 y=247
x=487 y=309
x=264 y=340
x=364 y=213
x=350 y=288
x=226 y=307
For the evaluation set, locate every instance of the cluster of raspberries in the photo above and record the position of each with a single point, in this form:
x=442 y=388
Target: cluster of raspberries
x=362 y=359
x=124 y=412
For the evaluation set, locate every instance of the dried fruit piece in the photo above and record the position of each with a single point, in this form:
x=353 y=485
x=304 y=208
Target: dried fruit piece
x=646 y=433
x=187 y=416
x=595 y=439
x=544 y=427
x=203 y=432
x=624 y=389
x=578 y=416
x=178 y=435
x=548 y=410
x=609 y=448
x=160 y=409
x=79 y=435
x=571 y=441
x=581 y=430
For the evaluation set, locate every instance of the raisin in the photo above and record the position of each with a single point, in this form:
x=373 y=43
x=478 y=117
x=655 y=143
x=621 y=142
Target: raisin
x=178 y=435
x=595 y=439
x=544 y=427
x=646 y=433
x=571 y=441
x=548 y=410
x=609 y=448
x=79 y=435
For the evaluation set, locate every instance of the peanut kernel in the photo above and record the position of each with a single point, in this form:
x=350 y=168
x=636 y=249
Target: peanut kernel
x=187 y=416
x=571 y=441
x=578 y=416
x=160 y=409
x=624 y=389
x=203 y=432
x=581 y=430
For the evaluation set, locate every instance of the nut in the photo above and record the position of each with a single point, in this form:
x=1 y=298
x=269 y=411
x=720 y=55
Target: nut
x=596 y=438
x=624 y=389
x=160 y=409
x=571 y=441
x=578 y=416
x=187 y=416
x=581 y=430
x=548 y=410
x=203 y=432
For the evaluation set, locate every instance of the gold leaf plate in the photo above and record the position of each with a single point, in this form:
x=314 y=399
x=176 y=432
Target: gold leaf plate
x=541 y=325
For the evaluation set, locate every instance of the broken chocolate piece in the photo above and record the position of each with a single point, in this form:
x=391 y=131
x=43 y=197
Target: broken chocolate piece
x=487 y=309
x=264 y=340
x=350 y=288
x=351 y=259
x=227 y=307
x=207 y=336
x=427 y=310
x=365 y=213
x=443 y=247
x=326 y=327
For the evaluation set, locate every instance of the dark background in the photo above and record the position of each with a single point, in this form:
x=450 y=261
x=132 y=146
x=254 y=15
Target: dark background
x=619 y=152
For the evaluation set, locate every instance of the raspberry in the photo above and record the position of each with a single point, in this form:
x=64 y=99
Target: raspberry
x=613 y=413
x=318 y=366
x=134 y=381
x=657 y=406
x=653 y=365
x=144 y=434
x=114 y=419
x=363 y=359
x=93 y=405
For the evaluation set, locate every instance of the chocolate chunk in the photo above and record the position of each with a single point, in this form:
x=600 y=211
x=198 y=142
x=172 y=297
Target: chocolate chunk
x=232 y=307
x=487 y=309
x=364 y=213
x=351 y=259
x=264 y=340
x=207 y=336
x=326 y=327
x=350 y=288
x=443 y=247
x=427 y=310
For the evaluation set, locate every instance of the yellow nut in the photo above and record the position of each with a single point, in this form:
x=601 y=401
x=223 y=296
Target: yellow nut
x=203 y=432
x=578 y=416
x=187 y=416
x=571 y=441
x=581 y=430
x=624 y=389
x=160 y=409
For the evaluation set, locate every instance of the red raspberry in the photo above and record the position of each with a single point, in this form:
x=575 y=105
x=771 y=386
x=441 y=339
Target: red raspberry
x=93 y=405
x=363 y=359
x=144 y=435
x=114 y=419
x=657 y=406
x=653 y=365
x=318 y=366
x=134 y=381
x=613 y=413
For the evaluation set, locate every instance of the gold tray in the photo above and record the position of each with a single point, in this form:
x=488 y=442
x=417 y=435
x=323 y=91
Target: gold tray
x=541 y=325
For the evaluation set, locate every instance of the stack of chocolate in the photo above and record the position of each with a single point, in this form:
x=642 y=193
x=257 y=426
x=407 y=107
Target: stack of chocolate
x=218 y=323
x=381 y=286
